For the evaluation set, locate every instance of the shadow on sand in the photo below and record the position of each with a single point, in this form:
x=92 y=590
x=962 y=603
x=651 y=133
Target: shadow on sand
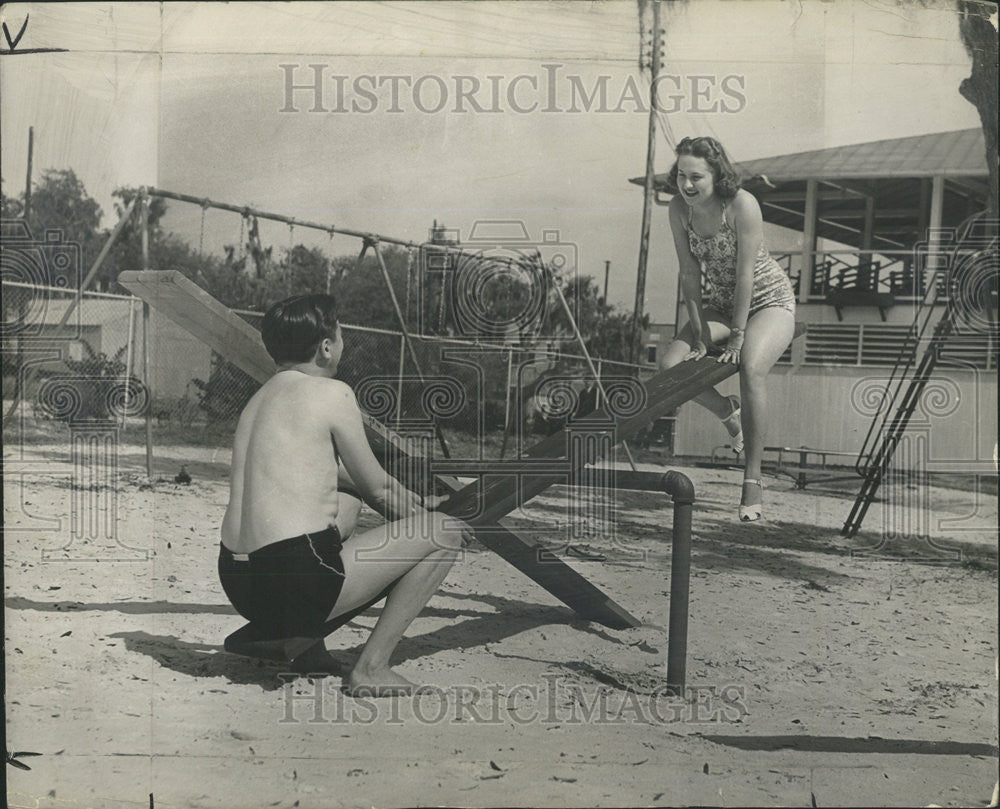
x=466 y=629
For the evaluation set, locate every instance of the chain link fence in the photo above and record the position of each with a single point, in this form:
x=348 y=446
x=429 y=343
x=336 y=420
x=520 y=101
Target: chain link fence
x=106 y=363
x=74 y=359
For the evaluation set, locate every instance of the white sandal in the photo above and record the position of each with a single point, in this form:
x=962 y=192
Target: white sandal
x=733 y=420
x=754 y=512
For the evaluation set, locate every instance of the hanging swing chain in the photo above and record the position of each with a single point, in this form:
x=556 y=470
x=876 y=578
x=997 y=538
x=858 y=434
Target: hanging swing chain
x=444 y=286
x=205 y=203
x=329 y=262
x=245 y=221
x=241 y=247
x=409 y=272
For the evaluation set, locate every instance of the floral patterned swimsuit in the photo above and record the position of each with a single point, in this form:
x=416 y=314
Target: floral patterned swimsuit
x=717 y=254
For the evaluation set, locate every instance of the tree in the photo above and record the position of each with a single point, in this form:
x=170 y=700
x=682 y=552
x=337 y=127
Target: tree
x=360 y=289
x=979 y=36
x=60 y=202
x=302 y=270
x=10 y=207
x=126 y=253
x=607 y=333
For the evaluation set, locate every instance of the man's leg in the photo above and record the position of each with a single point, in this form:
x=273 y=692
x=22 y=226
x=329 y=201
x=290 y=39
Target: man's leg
x=419 y=558
x=316 y=658
x=348 y=509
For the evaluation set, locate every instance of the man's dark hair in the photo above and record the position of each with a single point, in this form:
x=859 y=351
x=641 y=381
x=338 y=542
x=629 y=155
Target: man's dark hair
x=294 y=328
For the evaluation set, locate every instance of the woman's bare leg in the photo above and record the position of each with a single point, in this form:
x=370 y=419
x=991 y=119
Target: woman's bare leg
x=768 y=334
x=711 y=399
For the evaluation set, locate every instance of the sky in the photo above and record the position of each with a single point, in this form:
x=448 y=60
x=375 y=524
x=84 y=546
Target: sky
x=458 y=112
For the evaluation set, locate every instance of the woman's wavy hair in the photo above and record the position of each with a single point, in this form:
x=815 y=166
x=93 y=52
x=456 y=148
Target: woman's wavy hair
x=727 y=181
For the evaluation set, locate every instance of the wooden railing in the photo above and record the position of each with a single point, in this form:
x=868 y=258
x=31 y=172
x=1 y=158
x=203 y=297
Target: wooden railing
x=901 y=273
x=905 y=274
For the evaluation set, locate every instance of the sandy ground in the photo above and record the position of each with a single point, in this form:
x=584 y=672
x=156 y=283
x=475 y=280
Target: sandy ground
x=821 y=671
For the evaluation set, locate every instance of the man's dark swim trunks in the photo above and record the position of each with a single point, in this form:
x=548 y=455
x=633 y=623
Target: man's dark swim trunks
x=287 y=588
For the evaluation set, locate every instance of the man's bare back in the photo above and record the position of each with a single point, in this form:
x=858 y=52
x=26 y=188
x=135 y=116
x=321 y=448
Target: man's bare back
x=284 y=468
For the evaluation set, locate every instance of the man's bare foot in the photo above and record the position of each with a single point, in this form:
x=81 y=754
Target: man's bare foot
x=316 y=660
x=377 y=683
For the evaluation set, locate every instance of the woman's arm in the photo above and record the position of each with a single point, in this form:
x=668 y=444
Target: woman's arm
x=690 y=271
x=749 y=226
x=380 y=490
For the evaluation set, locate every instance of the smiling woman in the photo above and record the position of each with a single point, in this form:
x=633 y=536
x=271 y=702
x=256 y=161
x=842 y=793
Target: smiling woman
x=718 y=230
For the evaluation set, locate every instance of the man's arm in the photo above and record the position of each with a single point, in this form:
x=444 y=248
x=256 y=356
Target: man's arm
x=379 y=489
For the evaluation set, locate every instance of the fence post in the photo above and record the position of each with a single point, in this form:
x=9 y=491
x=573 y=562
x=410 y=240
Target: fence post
x=130 y=342
x=399 y=380
x=144 y=230
x=507 y=395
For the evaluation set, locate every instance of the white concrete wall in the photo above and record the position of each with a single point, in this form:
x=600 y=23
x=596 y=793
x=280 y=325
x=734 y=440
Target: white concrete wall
x=175 y=358
x=175 y=355
x=830 y=408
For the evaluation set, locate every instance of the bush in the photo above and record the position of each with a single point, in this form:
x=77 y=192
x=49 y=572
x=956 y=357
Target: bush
x=95 y=392
x=226 y=392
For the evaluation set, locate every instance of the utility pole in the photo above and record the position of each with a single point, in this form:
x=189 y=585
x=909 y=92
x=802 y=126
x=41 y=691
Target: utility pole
x=649 y=189
x=27 y=182
x=607 y=269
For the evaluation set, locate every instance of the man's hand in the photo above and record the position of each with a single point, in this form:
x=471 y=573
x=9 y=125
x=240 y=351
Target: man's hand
x=433 y=502
x=467 y=534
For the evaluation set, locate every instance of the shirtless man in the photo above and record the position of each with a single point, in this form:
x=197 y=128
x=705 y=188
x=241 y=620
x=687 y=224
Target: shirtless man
x=290 y=561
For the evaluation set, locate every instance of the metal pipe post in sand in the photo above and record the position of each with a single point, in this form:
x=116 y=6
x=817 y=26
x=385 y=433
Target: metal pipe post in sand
x=680 y=488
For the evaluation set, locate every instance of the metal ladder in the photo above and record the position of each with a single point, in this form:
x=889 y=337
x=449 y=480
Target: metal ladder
x=909 y=377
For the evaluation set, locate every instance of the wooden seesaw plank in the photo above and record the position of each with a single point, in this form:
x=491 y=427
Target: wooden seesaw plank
x=552 y=574
x=193 y=309
x=483 y=503
x=499 y=494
